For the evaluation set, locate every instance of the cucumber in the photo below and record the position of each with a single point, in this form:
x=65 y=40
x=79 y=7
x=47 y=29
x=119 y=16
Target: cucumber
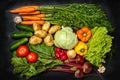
x=17 y=43
x=21 y=34
x=25 y=27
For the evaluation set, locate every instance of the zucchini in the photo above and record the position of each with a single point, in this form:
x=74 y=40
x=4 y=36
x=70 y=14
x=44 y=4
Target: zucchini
x=21 y=34
x=25 y=27
x=17 y=43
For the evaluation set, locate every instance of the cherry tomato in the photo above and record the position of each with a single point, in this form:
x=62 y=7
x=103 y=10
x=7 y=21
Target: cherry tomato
x=22 y=51
x=32 y=57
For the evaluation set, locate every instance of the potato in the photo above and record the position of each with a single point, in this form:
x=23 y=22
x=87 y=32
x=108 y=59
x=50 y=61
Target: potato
x=46 y=26
x=36 y=27
x=40 y=33
x=35 y=40
x=54 y=29
x=49 y=43
x=48 y=40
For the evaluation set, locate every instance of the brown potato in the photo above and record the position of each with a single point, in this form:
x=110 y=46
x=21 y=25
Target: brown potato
x=35 y=40
x=36 y=27
x=50 y=43
x=48 y=40
x=54 y=29
x=46 y=26
x=40 y=33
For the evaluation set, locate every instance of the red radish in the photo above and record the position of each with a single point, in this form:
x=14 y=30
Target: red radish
x=62 y=53
x=57 y=49
x=57 y=54
x=63 y=57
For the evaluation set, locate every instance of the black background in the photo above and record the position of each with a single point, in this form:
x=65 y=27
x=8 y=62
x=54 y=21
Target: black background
x=112 y=9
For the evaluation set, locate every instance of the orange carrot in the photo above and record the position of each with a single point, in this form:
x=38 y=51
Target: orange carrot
x=23 y=10
x=30 y=18
x=31 y=13
x=41 y=22
x=41 y=15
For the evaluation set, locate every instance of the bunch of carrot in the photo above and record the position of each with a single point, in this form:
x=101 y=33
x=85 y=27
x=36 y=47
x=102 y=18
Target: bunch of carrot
x=29 y=14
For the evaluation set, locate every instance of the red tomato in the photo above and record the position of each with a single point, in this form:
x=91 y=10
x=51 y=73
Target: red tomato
x=22 y=51
x=32 y=57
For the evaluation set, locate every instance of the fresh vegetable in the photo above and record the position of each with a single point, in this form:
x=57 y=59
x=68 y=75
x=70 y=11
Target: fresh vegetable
x=42 y=15
x=40 y=33
x=28 y=70
x=99 y=45
x=44 y=61
x=78 y=60
x=82 y=15
x=60 y=53
x=22 y=51
x=54 y=29
x=87 y=67
x=21 y=34
x=31 y=13
x=48 y=40
x=17 y=19
x=65 y=38
x=79 y=73
x=84 y=34
x=35 y=40
x=43 y=50
x=81 y=48
x=41 y=22
x=36 y=26
x=31 y=18
x=46 y=26
x=25 y=28
x=32 y=57
x=25 y=9
x=17 y=43
x=71 y=53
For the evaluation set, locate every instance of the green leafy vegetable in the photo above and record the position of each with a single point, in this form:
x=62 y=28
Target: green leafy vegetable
x=99 y=45
x=43 y=50
x=45 y=61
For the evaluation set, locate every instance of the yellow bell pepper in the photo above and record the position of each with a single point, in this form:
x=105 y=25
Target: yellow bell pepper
x=81 y=48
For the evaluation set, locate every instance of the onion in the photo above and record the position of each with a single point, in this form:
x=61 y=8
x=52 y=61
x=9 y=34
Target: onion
x=71 y=53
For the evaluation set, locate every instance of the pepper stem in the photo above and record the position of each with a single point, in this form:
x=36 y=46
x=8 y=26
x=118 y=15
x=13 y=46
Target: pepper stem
x=84 y=34
x=82 y=50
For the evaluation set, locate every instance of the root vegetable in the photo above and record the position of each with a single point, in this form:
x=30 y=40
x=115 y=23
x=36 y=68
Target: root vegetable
x=78 y=74
x=54 y=29
x=40 y=33
x=36 y=26
x=46 y=26
x=71 y=53
x=49 y=40
x=49 y=43
x=87 y=67
x=35 y=40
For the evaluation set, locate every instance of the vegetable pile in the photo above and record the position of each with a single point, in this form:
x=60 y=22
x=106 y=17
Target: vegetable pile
x=71 y=38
